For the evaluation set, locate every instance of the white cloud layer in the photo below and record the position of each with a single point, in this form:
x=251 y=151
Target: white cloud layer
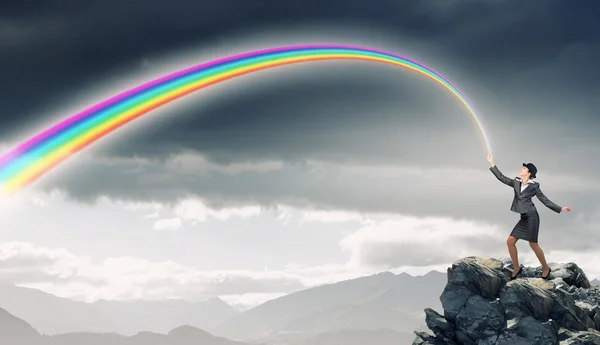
x=194 y=164
x=374 y=242
x=193 y=211
x=196 y=211
x=412 y=241
x=346 y=244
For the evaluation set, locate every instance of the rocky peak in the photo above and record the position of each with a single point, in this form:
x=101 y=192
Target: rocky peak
x=482 y=306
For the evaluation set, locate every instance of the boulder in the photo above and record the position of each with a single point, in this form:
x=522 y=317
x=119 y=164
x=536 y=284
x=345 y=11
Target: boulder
x=482 y=306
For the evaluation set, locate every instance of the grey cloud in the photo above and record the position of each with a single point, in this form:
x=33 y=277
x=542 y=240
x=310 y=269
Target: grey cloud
x=36 y=275
x=29 y=261
x=229 y=284
x=484 y=39
x=21 y=263
x=459 y=193
x=393 y=255
x=511 y=58
x=29 y=275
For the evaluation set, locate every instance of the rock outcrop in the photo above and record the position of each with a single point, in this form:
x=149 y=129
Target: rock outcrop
x=482 y=306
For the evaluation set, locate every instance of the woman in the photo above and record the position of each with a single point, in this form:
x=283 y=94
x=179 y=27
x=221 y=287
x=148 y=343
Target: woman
x=528 y=226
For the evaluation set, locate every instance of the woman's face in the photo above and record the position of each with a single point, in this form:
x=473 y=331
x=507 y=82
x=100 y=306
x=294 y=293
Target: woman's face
x=524 y=172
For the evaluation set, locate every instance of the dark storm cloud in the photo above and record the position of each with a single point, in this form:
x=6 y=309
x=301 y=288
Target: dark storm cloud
x=51 y=50
x=516 y=59
x=475 y=195
x=305 y=119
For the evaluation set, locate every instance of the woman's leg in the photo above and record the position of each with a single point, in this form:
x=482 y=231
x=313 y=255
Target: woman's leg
x=511 y=242
x=534 y=228
x=540 y=255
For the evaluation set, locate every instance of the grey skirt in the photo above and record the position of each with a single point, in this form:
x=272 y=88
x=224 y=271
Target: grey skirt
x=528 y=227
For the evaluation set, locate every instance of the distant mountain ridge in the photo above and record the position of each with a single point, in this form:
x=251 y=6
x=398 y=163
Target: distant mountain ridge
x=360 y=337
x=381 y=309
x=50 y=314
x=386 y=304
x=383 y=300
x=15 y=331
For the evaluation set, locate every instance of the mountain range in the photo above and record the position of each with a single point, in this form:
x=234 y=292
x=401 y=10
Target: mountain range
x=381 y=309
x=51 y=315
x=15 y=331
x=384 y=307
x=384 y=300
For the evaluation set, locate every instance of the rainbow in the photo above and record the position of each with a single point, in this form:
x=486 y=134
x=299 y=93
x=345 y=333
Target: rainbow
x=43 y=152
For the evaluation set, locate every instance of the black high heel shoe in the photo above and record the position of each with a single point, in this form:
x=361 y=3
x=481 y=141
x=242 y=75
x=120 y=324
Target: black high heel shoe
x=547 y=275
x=518 y=272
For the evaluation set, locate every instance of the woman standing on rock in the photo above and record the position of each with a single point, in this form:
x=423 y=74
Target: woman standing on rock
x=528 y=226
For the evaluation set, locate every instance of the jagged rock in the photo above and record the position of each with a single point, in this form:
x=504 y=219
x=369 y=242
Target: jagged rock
x=570 y=273
x=512 y=338
x=521 y=299
x=528 y=331
x=479 y=275
x=541 y=333
x=426 y=339
x=589 y=301
x=423 y=339
x=567 y=337
x=483 y=307
x=481 y=318
x=440 y=327
x=469 y=277
x=571 y=314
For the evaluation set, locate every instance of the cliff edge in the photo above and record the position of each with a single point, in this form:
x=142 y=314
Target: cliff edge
x=483 y=307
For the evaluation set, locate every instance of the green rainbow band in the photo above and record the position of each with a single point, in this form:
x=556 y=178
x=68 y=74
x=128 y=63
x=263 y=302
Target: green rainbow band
x=43 y=152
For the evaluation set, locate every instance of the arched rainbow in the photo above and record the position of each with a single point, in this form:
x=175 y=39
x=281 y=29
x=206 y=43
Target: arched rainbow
x=38 y=155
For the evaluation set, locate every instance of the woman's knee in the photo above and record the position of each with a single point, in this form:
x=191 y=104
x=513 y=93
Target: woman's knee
x=511 y=241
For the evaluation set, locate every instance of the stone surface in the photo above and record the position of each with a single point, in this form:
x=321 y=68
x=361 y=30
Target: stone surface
x=482 y=306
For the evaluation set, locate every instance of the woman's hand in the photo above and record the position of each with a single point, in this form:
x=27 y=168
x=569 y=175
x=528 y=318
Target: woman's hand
x=566 y=209
x=489 y=159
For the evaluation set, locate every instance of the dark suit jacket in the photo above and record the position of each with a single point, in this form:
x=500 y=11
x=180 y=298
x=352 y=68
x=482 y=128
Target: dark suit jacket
x=522 y=201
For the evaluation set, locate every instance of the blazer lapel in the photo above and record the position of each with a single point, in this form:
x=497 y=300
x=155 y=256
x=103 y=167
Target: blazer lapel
x=521 y=186
x=526 y=189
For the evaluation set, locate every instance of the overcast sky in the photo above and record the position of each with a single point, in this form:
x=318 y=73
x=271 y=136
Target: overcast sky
x=302 y=175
